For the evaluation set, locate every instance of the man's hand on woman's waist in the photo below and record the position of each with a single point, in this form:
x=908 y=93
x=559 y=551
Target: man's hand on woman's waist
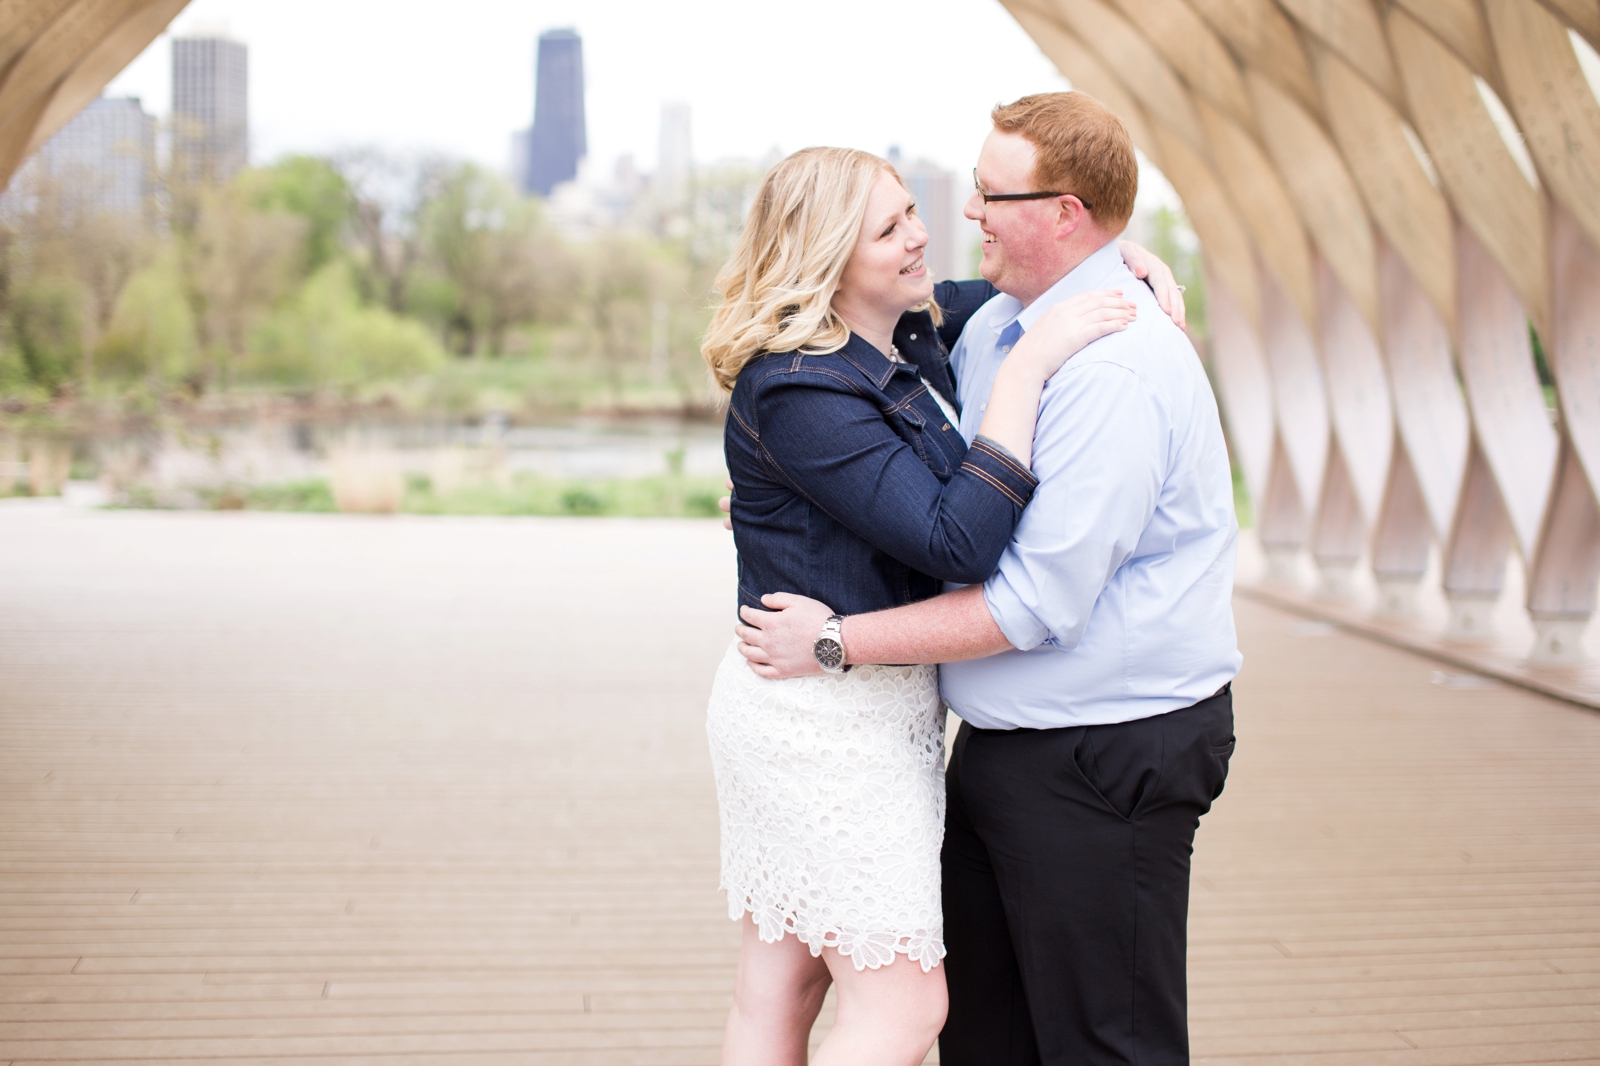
x=778 y=642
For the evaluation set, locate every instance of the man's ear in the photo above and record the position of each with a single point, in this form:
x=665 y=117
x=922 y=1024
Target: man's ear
x=1070 y=217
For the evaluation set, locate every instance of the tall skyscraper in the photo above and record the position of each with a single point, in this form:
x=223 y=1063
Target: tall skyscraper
x=673 y=158
x=210 y=109
x=559 y=138
x=102 y=160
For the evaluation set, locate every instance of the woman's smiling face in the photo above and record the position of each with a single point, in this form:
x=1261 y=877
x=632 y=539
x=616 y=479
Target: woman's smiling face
x=885 y=275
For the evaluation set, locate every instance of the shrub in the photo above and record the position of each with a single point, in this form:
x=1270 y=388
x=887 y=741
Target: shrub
x=152 y=329
x=582 y=502
x=324 y=337
x=46 y=317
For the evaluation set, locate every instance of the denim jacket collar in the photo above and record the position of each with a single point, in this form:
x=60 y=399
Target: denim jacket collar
x=878 y=368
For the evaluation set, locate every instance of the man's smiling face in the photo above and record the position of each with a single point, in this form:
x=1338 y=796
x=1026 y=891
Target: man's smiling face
x=1019 y=246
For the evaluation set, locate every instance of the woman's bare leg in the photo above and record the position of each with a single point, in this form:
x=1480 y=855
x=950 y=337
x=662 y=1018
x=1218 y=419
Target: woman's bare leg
x=776 y=997
x=886 y=1017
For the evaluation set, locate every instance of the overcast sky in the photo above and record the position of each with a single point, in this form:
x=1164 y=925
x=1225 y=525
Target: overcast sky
x=457 y=75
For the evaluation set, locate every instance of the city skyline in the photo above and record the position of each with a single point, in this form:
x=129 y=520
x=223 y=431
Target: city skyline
x=461 y=85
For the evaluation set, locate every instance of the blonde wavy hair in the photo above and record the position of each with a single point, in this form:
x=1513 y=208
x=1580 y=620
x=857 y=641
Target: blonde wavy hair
x=778 y=285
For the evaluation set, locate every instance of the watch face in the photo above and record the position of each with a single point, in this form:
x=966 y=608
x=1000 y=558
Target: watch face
x=830 y=653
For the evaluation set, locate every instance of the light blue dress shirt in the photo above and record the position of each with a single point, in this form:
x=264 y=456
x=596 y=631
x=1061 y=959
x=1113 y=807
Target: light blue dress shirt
x=1117 y=587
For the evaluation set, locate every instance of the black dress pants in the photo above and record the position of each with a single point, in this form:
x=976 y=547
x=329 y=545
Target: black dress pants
x=1066 y=887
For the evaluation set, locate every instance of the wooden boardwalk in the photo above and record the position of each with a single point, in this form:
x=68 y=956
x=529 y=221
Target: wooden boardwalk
x=418 y=791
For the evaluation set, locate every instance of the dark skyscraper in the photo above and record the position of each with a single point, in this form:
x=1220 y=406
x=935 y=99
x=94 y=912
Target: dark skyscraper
x=558 y=139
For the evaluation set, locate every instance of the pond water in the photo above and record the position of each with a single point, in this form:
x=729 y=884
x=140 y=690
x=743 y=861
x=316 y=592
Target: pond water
x=181 y=462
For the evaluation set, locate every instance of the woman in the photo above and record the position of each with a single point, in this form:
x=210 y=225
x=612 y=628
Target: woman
x=852 y=486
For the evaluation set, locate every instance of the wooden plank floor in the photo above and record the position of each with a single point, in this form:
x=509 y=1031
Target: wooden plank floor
x=340 y=790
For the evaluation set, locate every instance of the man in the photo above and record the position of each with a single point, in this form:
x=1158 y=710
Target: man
x=1092 y=670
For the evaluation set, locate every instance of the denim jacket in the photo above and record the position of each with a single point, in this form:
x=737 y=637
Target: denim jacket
x=850 y=484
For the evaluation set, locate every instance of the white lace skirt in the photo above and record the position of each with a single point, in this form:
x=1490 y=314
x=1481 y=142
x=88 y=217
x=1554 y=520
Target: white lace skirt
x=831 y=792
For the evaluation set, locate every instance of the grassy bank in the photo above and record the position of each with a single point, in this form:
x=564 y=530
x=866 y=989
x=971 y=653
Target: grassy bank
x=525 y=494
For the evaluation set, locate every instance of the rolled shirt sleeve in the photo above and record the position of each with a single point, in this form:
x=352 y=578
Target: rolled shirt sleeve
x=1101 y=452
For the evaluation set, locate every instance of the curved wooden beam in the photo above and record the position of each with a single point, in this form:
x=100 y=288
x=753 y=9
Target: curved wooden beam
x=1282 y=517
x=1554 y=105
x=1402 y=541
x=1460 y=25
x=1212 y=215
x=45 y=62
x=1263 y=204
x=1509 y=418
x=1339 y=536
x=1246 y=385
x=1087 y=72
x=1322 y=189
x=1407 y=208
x=21 y=23
x=1351 y=28
x=1574 y=349
x=1485 y=186
x=1581 y=15
x=1565 y=574
x=105 y=62
x=1474 y=570
x=1262 y=36
x=1358 y=393
x=15 y=135
x=1430 y=412
x=1194 y=51
x=1297 y=390
x=1124 y=48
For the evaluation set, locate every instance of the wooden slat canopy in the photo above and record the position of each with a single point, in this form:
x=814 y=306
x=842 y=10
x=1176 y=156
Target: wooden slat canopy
x=1376 y=254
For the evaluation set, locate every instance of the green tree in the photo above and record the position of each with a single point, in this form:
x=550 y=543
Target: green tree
x=152 y=332
x=324 y=336
x=308 y=188
x=242 y=262
x=46 y=325
x=392 y=196
x=62 y=250
x=498 y=262
x=106 y=249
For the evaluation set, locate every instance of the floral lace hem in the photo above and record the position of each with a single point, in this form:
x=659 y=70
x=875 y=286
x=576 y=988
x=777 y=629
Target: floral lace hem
x=865 y=950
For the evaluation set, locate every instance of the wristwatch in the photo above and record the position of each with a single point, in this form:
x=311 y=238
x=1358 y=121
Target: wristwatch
x=829 y=648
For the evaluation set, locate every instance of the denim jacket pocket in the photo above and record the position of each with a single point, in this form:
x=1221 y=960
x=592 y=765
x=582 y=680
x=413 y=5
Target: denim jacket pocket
x=917 y=433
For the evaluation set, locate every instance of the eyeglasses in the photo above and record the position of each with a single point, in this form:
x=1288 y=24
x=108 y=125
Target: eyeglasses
x=990 y=198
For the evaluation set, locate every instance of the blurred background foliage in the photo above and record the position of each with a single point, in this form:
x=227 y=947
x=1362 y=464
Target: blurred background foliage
x=408 y=305
x=413 y=283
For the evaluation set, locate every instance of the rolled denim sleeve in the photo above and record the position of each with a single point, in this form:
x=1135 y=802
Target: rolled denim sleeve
x=1100 y=452
x=833 y=446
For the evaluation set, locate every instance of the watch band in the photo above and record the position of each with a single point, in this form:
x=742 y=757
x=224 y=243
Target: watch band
x=828 y=649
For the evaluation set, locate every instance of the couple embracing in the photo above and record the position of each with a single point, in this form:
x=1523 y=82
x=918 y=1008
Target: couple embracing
x=921 y=476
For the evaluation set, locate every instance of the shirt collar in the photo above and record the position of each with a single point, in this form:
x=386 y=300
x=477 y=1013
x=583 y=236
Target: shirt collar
x=1081 y=278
